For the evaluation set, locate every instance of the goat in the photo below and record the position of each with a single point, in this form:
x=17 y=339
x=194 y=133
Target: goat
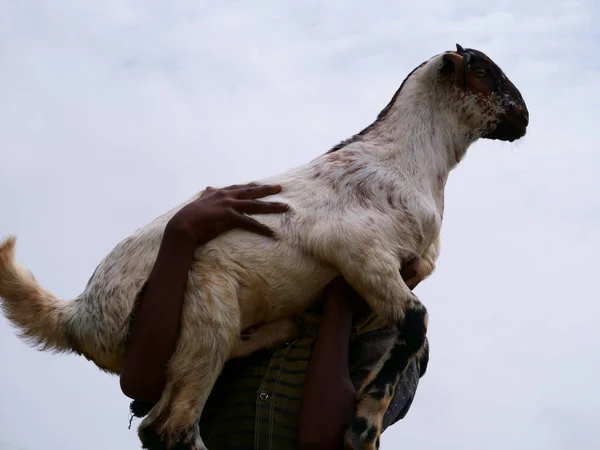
x=361 y=210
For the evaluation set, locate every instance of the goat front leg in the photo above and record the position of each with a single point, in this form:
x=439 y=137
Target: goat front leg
x=375 y=396
x=375 y=275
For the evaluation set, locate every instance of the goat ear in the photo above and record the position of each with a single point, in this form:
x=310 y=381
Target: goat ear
x=452 y=63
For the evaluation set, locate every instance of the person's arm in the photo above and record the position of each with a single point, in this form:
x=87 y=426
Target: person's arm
x=328 y=402
x=155 y=326
x=328 y=396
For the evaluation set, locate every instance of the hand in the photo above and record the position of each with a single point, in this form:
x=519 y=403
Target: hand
x=329 y=398
x=217 y=211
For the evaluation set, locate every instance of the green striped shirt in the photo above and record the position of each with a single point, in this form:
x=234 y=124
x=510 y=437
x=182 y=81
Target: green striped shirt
x=255 y=402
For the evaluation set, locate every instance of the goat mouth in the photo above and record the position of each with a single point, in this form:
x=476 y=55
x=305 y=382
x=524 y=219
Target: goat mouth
x=508 y=130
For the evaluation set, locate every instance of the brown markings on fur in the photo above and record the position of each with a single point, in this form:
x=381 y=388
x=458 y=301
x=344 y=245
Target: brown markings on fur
x=361 y=191
x=388 y=188
x=390 y=199
x=372 y=410
x=341 y=158
x=485 y=88
x=371 y=375
x=375 y=406
x=441 y=182
x=343 y=166
x=495 y=94
x=354 y=168
x=482 y=86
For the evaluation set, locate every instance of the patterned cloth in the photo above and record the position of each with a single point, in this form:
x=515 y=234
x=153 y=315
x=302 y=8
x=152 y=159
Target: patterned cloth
x=255 y=402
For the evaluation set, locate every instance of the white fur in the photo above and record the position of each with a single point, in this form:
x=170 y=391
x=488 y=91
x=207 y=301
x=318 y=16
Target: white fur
x=360 y=211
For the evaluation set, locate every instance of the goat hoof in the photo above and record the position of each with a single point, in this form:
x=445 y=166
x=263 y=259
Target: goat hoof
x=360 y=436
x=351 y=440
x=140 y=409
x=413 y=328
x=187 y=439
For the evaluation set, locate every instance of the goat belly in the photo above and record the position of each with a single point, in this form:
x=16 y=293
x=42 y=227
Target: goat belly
x=275 y=279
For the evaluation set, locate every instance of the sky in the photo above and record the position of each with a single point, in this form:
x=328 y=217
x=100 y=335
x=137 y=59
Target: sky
x=113 y=111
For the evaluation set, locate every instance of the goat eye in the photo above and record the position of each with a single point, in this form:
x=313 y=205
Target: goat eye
x=480 y=72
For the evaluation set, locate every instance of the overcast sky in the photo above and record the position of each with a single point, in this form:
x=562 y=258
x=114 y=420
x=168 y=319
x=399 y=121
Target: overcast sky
x=113 y=111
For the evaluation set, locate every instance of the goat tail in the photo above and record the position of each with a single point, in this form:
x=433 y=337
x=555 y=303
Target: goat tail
x=41 y=318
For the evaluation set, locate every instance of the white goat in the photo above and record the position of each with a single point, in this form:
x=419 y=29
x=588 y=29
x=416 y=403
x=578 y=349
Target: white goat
x=361 y=210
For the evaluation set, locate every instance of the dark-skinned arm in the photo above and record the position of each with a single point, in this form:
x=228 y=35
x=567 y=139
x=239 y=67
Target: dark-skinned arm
x=328 y=395
x=328 y=402
x=155 y=326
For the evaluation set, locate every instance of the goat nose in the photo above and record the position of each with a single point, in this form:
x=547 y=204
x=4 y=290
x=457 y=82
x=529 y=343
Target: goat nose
x=525 y=116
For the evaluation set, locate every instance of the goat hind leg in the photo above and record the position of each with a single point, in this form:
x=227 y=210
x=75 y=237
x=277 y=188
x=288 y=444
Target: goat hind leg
x=268 y=335
x=209 y=329
x=274 y=333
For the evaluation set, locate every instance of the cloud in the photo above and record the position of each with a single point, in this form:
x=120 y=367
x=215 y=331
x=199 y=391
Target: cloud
x=114 y=111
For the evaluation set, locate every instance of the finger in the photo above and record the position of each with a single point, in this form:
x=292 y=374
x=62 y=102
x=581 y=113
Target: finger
x=259 y=207
x=254 y=192
x=207 y=190
x=235 y=187
x=249 y=224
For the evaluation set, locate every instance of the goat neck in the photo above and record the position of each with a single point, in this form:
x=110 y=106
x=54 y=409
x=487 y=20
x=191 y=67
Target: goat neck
x=419 y=133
